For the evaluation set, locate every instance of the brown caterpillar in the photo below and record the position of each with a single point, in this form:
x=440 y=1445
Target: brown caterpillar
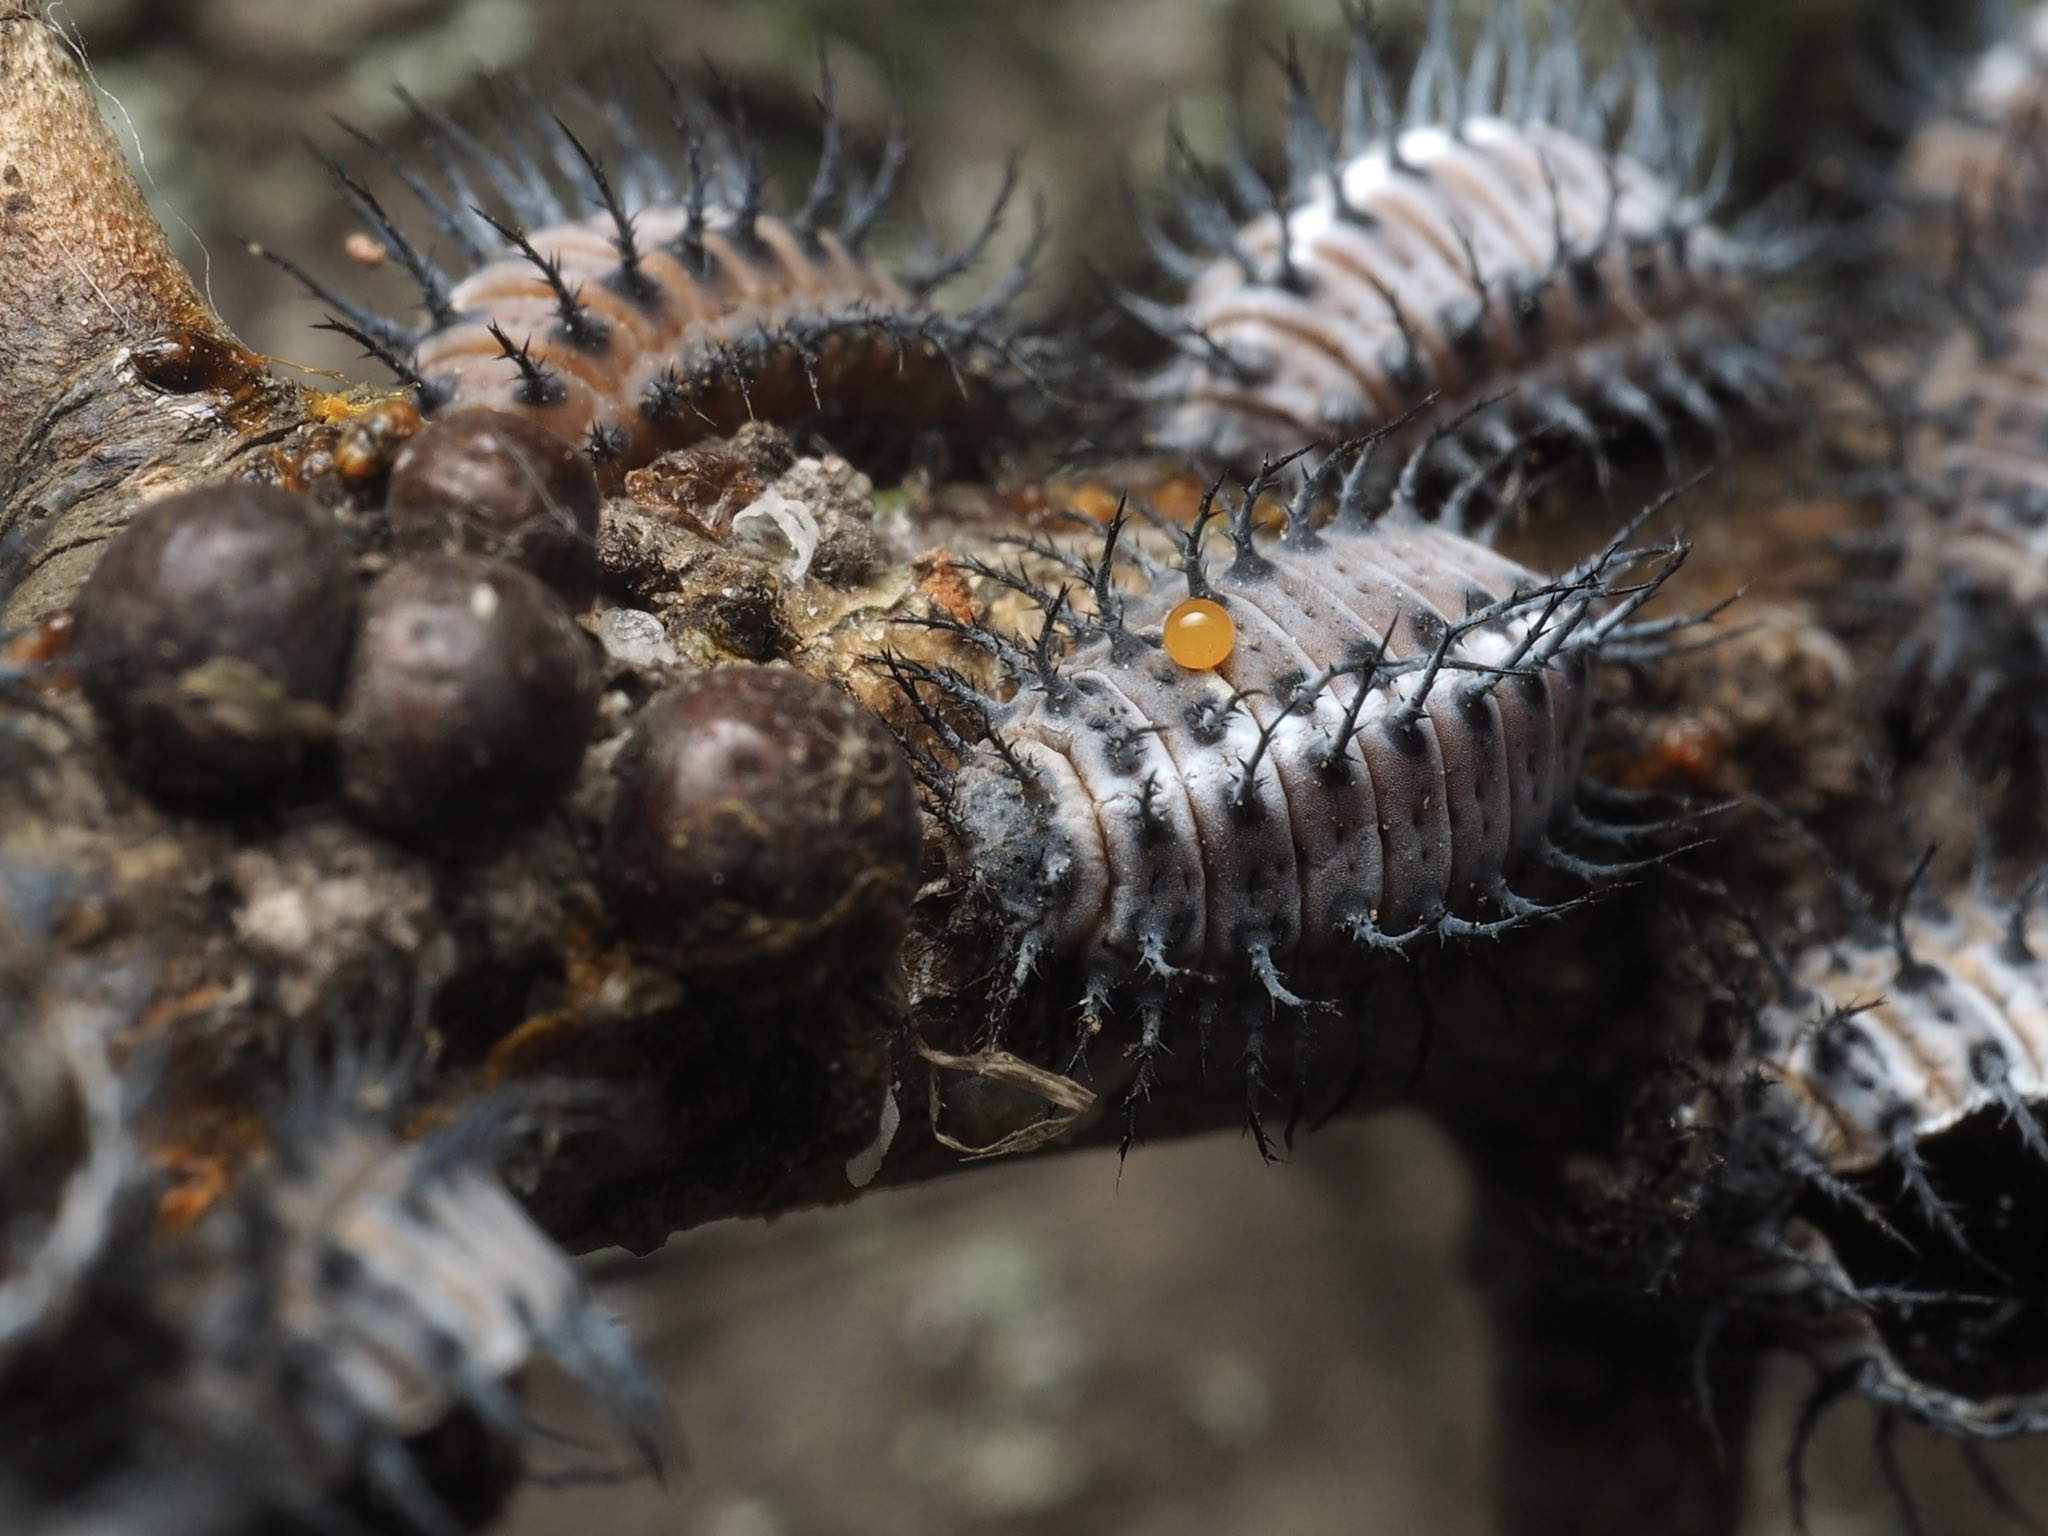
x=1395 y=730
x=1490 y=236
x=1908 y=1074
x=681 y=308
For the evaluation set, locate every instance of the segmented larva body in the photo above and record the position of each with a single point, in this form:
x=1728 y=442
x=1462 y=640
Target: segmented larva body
x=1973 y=573
x=1908 y=1076
x=1879 y=1049
x=263 y=1360
x=1981 y=133
x=1486 y=242
x=65 y=1146
x=359 y=1293
x=1986 y=389
x=1985 y=450
x=1396 y=731
x=681 y=309
x=1206 y=819
x=675 y=356
x=403 y=1295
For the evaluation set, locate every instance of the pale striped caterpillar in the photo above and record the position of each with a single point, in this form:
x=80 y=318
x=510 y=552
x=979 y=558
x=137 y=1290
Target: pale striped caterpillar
x=1490 y=235
x=1395 y=734
x=681 y=308
x=1972 y=583
x=1907 y=1076
x=406 y=1287
x=339 y=1337
x=1960 y=161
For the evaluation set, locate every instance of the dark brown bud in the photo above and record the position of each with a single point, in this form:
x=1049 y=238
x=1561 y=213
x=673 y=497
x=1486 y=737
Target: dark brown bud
x=492 y=483
x=470 y=699
x=761 y=815
x=212 y=636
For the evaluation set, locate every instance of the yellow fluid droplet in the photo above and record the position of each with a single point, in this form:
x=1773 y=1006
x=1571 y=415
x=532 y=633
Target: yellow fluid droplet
x=1199 y=634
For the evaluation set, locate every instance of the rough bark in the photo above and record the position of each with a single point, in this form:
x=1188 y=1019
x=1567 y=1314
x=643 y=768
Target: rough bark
x=117 y=382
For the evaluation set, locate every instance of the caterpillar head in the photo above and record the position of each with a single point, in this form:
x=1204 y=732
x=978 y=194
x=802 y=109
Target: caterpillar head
x=1022 y=852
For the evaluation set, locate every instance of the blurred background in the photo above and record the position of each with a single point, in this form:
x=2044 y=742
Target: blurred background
x=1192 y=1342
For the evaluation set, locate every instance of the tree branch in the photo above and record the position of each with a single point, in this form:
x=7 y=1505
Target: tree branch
x=116 y=380
x=285 y=930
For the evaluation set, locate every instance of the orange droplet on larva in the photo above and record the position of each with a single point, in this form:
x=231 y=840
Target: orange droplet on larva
x=1199 y=634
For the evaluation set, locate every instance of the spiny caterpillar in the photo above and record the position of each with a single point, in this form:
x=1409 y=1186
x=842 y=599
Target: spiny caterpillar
x=1395 y=730
x=316 y=1344
x=1973 y=582
x=1485 y=238
x=1960 y=161
x=1909 y=1071
x=407 y=1286
x=681 y=308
